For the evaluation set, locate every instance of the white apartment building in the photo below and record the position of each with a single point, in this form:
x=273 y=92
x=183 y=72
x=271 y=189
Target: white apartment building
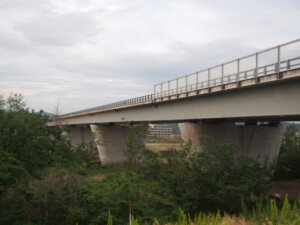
x=156 y=130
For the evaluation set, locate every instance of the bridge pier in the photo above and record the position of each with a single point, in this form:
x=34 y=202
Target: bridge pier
x=251 y=140
x=79 y=134
x=110 y=140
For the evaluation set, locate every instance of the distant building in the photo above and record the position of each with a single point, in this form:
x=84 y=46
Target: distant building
x=156 y=130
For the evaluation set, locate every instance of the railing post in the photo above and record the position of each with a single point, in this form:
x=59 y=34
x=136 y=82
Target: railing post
x=238 y=71
x=161 y=90
x=197 y=74
x=278 y=61
x=186 y=83
x=222 y=75
x=256 y=64
x=255 y=74
x=177 y=86
x=208 y=81
x=288 y=65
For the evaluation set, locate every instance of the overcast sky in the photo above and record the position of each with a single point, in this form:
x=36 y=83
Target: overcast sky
x=92 y=52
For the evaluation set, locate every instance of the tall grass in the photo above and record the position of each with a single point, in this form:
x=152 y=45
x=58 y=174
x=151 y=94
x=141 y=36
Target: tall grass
x=262 y=214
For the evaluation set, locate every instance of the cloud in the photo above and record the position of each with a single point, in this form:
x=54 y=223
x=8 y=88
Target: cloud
x=60 y=29
x=89 y=53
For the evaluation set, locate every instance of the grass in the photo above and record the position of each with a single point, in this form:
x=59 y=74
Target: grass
x=158 y=144
x=262 y=214
x=177 y=140
x=157 y=147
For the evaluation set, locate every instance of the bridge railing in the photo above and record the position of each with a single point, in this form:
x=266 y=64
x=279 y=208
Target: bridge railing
x=269 y=61
x=131 y=101
x=273 y=60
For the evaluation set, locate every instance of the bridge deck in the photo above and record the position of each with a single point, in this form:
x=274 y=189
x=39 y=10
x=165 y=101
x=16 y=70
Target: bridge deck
x=200 y=96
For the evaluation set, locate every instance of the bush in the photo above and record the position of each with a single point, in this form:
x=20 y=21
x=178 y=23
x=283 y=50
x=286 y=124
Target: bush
x=208 y=180
x=11 y=170
x=42 y=177
x=289 y=156
x=221 y=175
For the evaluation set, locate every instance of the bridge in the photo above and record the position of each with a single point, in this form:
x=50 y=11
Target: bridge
x=242 y=101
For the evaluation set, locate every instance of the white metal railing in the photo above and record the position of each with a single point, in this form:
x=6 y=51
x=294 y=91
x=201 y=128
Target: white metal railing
x=273 y=60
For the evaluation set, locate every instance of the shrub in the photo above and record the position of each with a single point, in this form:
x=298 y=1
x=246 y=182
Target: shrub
x=289 y=155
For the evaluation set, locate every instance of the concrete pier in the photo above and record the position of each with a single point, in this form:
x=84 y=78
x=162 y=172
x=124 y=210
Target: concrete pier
x=79 y=134
x=252 y=140
x=110 y=142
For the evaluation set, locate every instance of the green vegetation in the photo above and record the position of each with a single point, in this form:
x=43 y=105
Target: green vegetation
x=289 y=156
x=264 y=214
x=44 y=180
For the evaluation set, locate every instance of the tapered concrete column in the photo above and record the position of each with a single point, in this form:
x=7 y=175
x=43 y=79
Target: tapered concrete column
x=191 y=132
x=110 y=142
x=79 y=134
x=252 y=140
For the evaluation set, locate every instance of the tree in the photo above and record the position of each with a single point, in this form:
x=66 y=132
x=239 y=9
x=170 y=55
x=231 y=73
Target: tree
x=15 y=102
x=2 y=102
x=210 y=179
x=289 y=155
x=135 y=143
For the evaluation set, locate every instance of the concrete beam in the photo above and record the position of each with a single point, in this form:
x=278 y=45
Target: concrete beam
x=252 y=140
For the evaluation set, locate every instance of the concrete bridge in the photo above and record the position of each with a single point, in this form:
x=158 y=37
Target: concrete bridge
x=242 y=101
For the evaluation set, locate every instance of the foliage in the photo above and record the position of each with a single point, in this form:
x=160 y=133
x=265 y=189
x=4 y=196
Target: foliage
x=135 y=143
x=45 y=180
x=208 y=180
x=12 y=102
x=220 y=175
x=289 y=155
x=11 y=170
x=47 y=200
x=260 y=214
x=64 y=197
x=15 y=103
x=25 y=136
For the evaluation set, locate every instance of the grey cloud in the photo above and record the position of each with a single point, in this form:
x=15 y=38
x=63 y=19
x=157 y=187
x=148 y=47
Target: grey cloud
x=150 y=68
x=23 y=5
x=88 y=57
x=60 y=29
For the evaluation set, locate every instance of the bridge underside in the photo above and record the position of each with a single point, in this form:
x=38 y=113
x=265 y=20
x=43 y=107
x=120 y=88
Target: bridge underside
x=255 y=141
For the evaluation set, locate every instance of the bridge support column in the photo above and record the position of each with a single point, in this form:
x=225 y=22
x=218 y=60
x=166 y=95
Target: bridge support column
x=110 y=142
x=79 y=134
x=251 y=140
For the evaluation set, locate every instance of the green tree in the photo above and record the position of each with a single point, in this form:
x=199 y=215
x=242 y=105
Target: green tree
x=208 y=180
x=2 y=102
x=15 y=103
x=289 y=155
x=135 y=143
